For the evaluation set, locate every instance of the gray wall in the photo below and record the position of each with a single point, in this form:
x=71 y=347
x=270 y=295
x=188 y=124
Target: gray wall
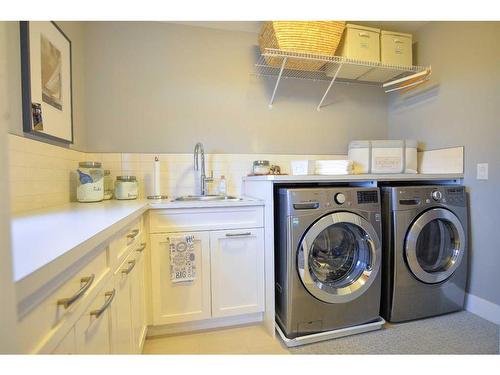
x=160 y=87
x=462 y=107
x=74 y=31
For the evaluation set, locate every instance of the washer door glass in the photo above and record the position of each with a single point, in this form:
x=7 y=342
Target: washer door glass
x=339 y=257
x=435 y=245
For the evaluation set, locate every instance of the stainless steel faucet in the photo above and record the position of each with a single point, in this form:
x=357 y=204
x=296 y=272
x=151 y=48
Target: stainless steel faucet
x=198 y=150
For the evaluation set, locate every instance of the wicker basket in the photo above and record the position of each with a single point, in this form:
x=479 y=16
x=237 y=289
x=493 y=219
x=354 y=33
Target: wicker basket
x=319 y=37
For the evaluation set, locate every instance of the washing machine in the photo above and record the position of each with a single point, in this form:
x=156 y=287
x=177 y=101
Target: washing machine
x=425 y=246
x=327 y=259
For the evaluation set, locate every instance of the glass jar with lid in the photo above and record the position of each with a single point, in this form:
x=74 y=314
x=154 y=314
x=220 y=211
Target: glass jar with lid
x=90 y=186
x=126 y=187
x=261 y=167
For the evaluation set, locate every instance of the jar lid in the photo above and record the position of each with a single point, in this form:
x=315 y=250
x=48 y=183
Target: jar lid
x=261 y=162
x=107 y=172
x=126 y=178
x=90 y=164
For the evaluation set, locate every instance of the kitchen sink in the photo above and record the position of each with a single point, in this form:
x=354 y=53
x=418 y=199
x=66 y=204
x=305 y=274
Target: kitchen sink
x=207 y=198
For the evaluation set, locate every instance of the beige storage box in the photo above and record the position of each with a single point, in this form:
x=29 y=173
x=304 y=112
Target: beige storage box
x=358 y=43
x=360 y=153
x=396 y=48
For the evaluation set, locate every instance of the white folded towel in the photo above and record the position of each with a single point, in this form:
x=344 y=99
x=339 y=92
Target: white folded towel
x=334 y=167
x=182 y=259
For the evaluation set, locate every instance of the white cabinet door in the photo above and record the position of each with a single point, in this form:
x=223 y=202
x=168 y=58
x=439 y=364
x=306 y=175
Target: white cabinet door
x=181 y=301
x=237 y=269
x=67 y=344
x=121 y=309
x=138 y=302
x=93 y=329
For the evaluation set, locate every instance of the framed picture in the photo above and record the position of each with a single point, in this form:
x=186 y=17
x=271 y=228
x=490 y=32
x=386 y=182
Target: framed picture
x=46 y=81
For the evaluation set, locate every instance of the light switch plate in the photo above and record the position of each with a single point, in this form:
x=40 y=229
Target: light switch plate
x=482 y=171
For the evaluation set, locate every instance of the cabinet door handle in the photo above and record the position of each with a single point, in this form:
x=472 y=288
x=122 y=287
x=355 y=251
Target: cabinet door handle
x=238 y=234
x=110 y=296
x=364 y=35
x=141 y=248
x=131 y=265
x=133 y=234
x=87 y=282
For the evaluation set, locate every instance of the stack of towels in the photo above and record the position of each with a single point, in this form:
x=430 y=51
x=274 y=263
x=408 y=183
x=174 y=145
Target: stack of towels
x=329 y=167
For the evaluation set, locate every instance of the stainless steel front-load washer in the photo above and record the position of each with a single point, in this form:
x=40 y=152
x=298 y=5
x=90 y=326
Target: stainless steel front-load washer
x=425 y=244
x=327 y=259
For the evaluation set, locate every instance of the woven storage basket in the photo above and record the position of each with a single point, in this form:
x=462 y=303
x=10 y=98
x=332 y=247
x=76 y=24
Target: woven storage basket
x=318 y=37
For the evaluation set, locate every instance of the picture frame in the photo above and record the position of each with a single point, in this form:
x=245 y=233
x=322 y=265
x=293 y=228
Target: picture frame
x=46 y=78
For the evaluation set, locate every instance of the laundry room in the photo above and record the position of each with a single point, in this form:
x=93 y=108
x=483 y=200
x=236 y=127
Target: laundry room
x=200 y=180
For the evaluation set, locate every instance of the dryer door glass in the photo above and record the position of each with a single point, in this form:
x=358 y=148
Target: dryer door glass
x=435 y=245
x=339 y=257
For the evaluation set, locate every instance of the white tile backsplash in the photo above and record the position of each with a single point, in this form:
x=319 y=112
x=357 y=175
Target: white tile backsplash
x=42 y=175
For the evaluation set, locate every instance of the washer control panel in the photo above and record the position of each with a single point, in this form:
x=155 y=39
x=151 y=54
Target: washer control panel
x=305 y=200
x=339 y=198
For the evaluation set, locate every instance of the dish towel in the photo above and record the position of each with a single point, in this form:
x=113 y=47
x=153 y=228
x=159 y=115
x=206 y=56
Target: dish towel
x=182 y=259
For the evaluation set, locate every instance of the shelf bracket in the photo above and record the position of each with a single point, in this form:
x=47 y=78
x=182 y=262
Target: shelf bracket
x=318 y=108
x=277 y=82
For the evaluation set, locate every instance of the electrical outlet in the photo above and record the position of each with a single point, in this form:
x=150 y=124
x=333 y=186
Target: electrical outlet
x=482 y=171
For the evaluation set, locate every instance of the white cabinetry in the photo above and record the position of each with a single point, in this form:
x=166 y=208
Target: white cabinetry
x=229 y=251
x=67 y=344
x=94 y=329
x=99 y=309
x=237 y=268
x=122 y=308
x=182 y=301
x=138 y=300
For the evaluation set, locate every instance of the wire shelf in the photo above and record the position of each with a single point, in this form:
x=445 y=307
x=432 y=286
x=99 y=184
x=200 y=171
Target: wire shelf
x=276 y=63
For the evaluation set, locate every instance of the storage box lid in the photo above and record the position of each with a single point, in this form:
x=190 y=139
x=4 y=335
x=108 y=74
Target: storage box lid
x=395 y=33
x=388 y=143
x=359 y=144
x=360 y=27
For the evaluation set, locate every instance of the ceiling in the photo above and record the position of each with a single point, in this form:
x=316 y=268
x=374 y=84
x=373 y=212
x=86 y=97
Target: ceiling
x=254 y=26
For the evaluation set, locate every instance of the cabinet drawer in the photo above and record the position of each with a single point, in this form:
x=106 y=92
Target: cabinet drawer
x=40 y=324
x=200 y=219
x=93 y=329
x=67 y=344
x=121 y=244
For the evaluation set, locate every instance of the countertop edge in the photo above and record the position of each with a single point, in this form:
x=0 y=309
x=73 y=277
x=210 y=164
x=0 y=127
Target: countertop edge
x=31 y=283
x=357 y=177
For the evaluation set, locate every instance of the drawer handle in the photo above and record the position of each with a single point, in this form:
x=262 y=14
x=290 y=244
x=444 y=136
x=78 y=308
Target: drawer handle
x=364 y=35
x=110 y=296
x=133 y=234
x=238 y=234
x=141 y=248
x=87 y=282
x=131 y=265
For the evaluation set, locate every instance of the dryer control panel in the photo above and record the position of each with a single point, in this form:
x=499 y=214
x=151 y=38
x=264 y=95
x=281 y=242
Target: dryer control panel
x=417 y=196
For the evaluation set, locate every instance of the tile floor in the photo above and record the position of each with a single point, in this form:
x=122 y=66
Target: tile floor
x=458 y=333
x=250 y=339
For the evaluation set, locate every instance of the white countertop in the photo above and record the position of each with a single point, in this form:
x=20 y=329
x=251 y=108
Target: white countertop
x=355 y=177
x=43 y=236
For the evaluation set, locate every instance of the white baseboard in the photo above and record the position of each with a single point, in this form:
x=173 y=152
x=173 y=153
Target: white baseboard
x=485 y=309
x=200 y=325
